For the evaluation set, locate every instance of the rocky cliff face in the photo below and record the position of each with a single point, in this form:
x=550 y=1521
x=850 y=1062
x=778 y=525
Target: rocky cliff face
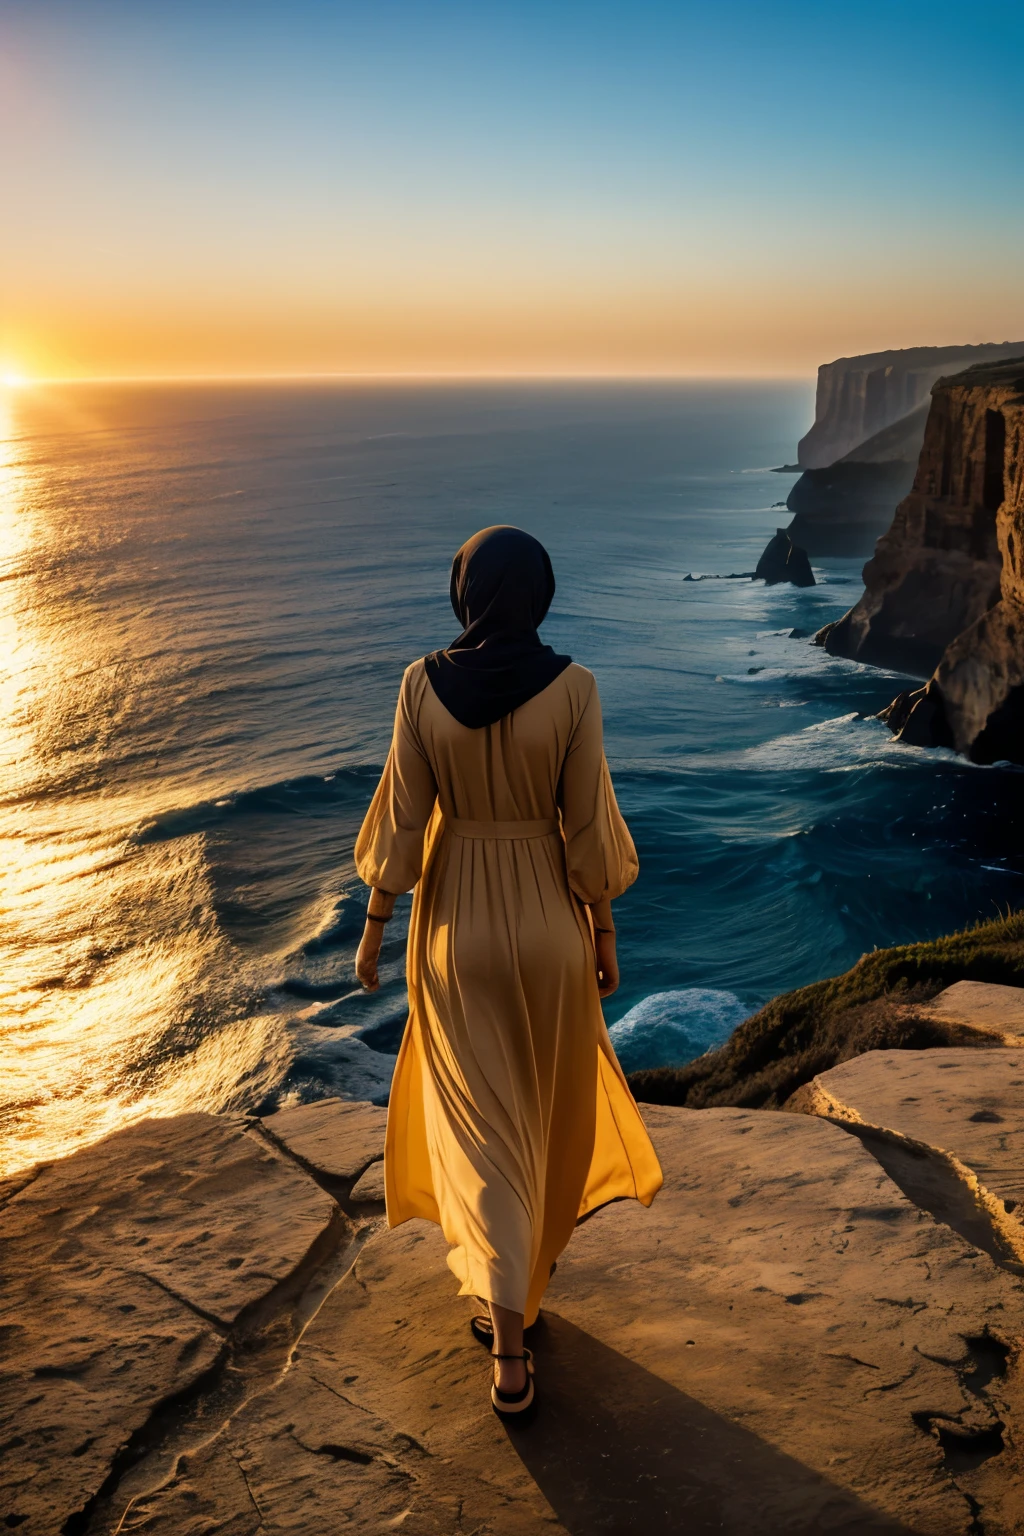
x=860 y=396
x=945 y=590
x=871 y=415
x=844 y=509
x=784 y=561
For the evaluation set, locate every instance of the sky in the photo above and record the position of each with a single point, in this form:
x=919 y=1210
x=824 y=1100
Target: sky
x=425 y=187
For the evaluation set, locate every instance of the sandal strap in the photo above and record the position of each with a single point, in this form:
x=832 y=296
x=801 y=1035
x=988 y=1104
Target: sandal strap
x=523 y=1356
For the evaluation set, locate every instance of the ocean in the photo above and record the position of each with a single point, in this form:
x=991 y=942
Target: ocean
x=208 y=595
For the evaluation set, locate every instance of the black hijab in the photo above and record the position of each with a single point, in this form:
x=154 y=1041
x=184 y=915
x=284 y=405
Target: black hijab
x=502 y=586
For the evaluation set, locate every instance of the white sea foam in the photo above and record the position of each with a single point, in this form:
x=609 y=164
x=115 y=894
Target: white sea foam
x=669 y=1028
x=780 y=653
x=347 y=1065
x=842 y=745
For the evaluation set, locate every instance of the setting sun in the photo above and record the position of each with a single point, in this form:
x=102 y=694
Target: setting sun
x=12 y=380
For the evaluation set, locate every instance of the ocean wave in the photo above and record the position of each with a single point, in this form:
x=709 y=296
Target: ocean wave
x=668 y=1029
x=757 y=676
x=342 y=930
x=846 y=743
x=793 y=651
x=664 y=1029
x=338 y=989
x=308 y=795
x=325 y=1065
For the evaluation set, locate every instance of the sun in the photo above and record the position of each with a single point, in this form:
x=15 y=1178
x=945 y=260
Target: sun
x=12 y=380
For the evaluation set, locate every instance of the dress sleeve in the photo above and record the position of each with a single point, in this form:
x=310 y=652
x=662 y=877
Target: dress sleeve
x=389 y=848
x=599 y=853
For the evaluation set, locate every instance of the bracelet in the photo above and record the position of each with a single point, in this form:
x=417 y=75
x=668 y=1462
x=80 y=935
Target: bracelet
x=603 y=930
x=371 y=917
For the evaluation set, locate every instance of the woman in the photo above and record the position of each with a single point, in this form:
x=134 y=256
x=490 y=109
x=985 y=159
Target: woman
x=509 y=1116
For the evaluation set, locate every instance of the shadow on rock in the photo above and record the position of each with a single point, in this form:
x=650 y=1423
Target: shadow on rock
x=614 y=1448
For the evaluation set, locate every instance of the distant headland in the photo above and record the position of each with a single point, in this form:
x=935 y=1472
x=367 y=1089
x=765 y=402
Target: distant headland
x=859 y=457
x=945 y=591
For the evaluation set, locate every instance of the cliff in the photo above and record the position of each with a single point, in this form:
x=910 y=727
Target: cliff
x=843 y=509
x=859 y=396
x=945 y=589
x=816 y=1327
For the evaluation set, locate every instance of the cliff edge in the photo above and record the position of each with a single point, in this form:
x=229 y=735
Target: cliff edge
x=208 y=1331
x=860 y=455
x=945 y=590
x=887 y=1001
x=859 y=396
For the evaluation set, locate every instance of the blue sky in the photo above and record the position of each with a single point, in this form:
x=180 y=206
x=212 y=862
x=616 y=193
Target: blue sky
x=560 y=187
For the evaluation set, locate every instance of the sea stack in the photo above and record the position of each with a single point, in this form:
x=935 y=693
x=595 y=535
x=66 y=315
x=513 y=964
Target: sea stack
x=784 y=561
x=945 y=590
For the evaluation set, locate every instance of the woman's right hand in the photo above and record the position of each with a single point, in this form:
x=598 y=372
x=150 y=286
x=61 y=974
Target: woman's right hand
x=607 y=963
x=367 y=956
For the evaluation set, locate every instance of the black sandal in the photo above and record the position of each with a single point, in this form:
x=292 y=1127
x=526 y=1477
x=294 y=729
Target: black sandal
x=482 y=1328
x=508 y=1404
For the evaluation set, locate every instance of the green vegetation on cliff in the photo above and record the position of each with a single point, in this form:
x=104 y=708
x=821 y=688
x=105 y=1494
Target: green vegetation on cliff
x=868 y=1008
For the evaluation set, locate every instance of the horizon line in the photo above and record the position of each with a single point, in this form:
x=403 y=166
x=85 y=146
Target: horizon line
x=30 y=381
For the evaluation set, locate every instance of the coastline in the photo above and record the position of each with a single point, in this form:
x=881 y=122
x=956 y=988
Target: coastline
x=881 y=1003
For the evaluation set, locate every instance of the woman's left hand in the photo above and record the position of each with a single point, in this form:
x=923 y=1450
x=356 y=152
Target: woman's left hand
x=607 y=963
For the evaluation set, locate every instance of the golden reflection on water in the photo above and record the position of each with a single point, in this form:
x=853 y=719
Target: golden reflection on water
x=97 y=1024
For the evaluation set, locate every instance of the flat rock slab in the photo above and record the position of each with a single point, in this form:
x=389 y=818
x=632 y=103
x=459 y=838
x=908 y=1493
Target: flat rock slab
x=784 y=1342
x=124 y=1268
x=370 y=1185
x=967 y=1103
x=983 y=1006
x=334 y=1137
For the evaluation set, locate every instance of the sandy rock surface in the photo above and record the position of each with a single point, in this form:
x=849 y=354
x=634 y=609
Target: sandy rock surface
x=983 y=1006
x=966 y=1105
x=332 y=1137
x=125 y=1267
x=370 y=1186
x=785 y=1342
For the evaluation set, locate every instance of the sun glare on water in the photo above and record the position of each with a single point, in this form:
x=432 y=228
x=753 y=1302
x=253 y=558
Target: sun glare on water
x=74 y=983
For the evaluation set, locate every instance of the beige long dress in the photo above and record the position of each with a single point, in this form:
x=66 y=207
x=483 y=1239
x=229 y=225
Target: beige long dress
x=509 y=1115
